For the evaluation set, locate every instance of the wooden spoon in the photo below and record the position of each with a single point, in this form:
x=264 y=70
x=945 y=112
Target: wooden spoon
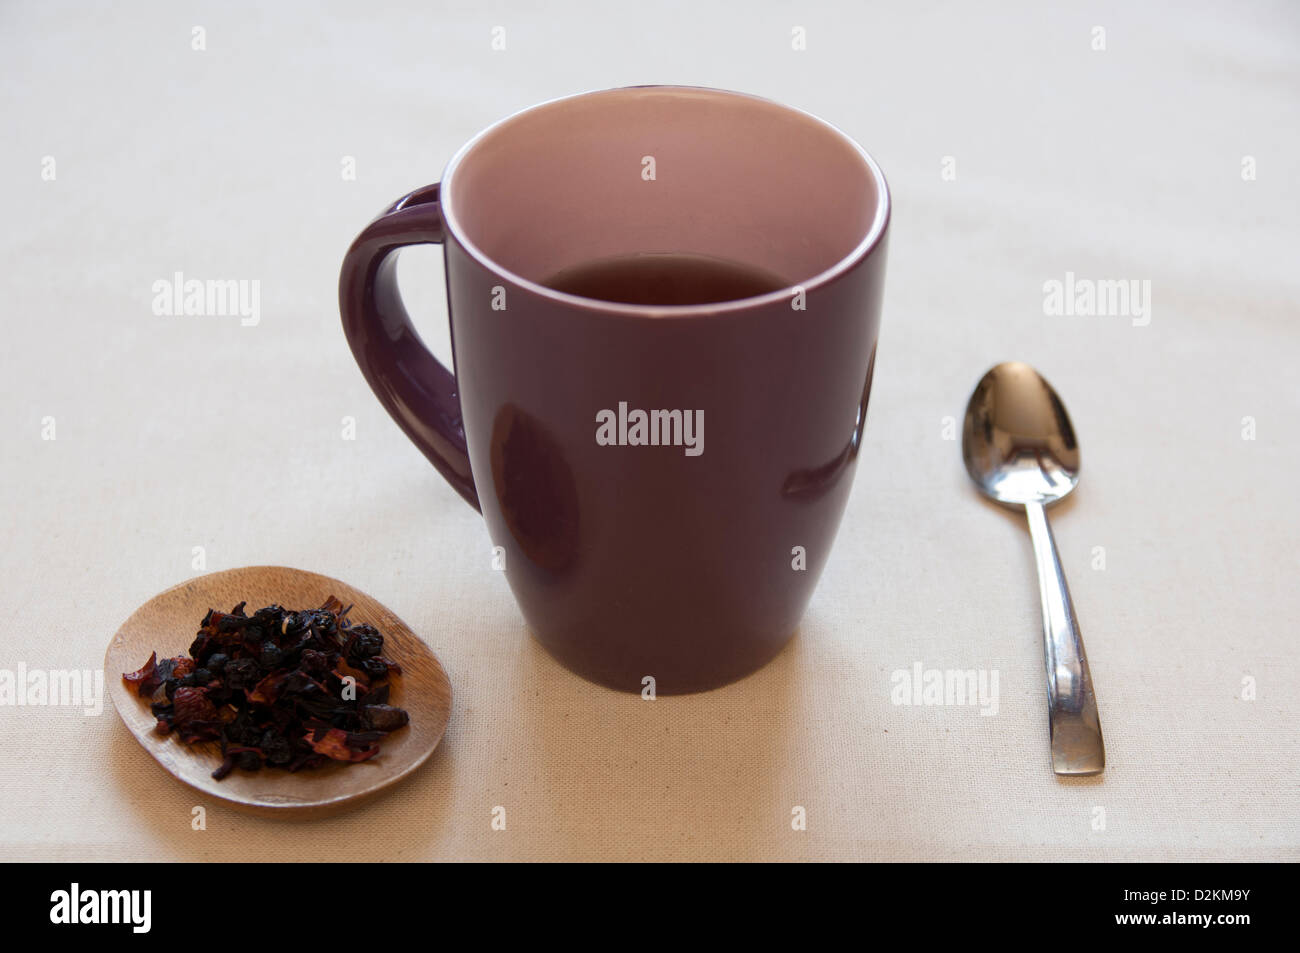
x=167 y=624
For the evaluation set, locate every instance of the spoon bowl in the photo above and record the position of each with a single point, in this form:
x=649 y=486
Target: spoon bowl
x=1018 y=443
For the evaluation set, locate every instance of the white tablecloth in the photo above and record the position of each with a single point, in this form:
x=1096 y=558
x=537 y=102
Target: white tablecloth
x=1017 y=152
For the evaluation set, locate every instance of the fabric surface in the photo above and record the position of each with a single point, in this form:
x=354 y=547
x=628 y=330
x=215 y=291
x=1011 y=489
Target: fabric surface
x=1019 y=152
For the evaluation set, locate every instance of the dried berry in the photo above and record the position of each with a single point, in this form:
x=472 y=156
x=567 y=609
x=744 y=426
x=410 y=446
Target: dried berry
x=270 y=655
x=276 y=747
x=242 y=673
x=384 y=717
x=270 y=688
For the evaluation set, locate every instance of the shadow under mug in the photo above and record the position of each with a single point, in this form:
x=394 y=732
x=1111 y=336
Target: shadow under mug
x=635 y=549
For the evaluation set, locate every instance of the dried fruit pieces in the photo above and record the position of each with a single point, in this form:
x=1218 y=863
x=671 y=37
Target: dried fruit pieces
x=281 y=688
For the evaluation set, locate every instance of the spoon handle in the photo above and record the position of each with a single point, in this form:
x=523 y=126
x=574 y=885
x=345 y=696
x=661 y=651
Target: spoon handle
x=1072 y=706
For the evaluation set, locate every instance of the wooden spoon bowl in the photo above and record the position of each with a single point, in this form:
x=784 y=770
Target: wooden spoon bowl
x=167 y=624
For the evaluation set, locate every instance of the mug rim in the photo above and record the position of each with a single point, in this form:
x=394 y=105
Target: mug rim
x=868 y=243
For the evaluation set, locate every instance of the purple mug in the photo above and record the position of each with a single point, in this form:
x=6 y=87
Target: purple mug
x=639 y=542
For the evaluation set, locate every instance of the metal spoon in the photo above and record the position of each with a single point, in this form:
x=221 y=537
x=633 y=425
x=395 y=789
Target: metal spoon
x=1020 y=450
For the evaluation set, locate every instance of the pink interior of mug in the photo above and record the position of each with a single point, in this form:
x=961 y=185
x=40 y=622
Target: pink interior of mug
x=658 y=169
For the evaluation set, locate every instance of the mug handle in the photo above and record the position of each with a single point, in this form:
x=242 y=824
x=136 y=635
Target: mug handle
x=419 y=393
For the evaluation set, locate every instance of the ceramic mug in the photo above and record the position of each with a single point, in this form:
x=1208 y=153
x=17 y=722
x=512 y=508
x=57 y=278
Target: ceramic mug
x=688 y=559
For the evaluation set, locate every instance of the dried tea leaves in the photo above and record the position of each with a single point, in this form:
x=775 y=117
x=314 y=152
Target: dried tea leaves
x=287 y=689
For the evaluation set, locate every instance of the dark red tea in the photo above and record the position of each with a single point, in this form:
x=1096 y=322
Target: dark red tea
x=665 y=279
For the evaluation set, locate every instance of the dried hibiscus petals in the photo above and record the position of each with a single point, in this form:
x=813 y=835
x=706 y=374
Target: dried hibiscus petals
x=288 y=689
